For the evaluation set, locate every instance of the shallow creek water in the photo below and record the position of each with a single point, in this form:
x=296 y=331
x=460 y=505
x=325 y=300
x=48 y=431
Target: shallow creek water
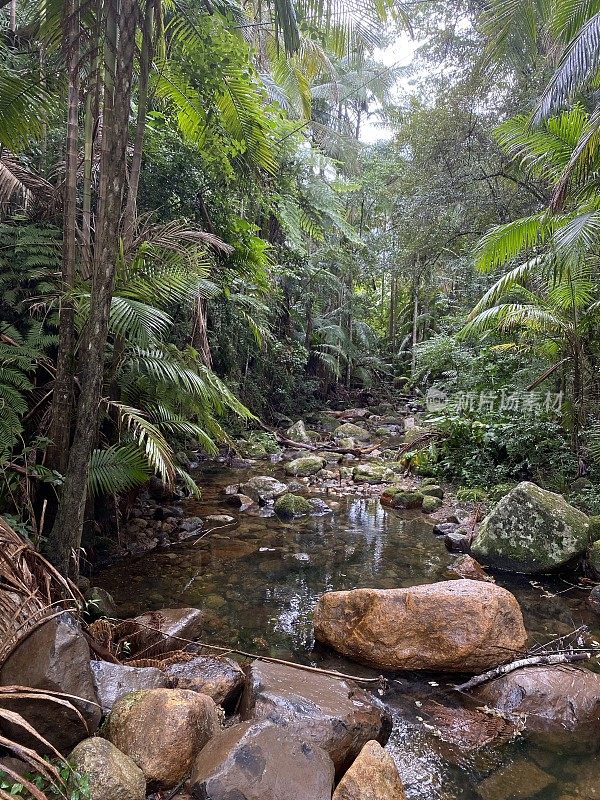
x=259 y=582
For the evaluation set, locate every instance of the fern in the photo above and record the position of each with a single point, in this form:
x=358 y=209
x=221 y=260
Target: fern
x=117 y=469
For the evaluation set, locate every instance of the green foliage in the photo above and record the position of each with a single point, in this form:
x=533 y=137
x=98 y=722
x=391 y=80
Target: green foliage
x=74 y=785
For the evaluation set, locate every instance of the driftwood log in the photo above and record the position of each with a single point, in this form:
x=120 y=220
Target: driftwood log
x=505 y=669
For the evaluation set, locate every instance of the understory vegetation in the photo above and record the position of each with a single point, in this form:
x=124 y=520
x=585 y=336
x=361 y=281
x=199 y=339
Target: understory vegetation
x=216 y=216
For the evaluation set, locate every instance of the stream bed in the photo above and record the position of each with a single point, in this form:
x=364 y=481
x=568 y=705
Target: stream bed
x=258 y=581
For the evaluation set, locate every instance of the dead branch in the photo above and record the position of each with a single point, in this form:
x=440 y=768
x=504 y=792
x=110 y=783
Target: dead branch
x=505 y=669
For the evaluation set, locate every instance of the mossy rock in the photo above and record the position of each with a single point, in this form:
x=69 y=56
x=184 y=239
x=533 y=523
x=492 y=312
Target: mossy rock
x=347 y=443
x=431 y=490
x=352 y=431
x=292 y=505
x=370 y=473
x=431 y=504
x=402 y=498
x=305 y=466
x=594 y=528
x=250 y=449
x=530 y=531
x=267 y=440
x=428 y=482
x=298 y=433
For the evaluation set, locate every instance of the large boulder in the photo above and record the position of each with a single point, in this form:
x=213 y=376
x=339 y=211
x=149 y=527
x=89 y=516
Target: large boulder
x=330 y=712
x=56 y=657
x=111 y=774
x=351 y=431
x=261 y=761
x=112 y=681
x=531 y=530
x=219 y=678
x=373 y=776
x=556 y=700
x=298 y=433
x=305 y=466
x=451 y=626
x=292 y=505
x=262 y=488
x=162 y=730
x=169 y=628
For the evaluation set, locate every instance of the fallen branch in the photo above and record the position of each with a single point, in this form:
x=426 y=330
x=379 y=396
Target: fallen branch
x=505 y=669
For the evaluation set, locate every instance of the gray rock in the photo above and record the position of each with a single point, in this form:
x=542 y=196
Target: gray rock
x=262 y=488
x=112 y=681
x=304 y=466
x=458 y=541
x=329 y=712
x=531 y=530
x=111 y=774
x=219 y=678
x=191 y=525
x=56 y=657
x=297 y=433
x=349 y=430
x=99 y=603
x=261 y=761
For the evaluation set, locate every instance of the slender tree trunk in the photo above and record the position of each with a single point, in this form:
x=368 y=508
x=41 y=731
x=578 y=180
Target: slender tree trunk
x=146 y=56
x=65 y=538
x=200 y=331
x=415 y=327
x=62 y=399
x=13 y=15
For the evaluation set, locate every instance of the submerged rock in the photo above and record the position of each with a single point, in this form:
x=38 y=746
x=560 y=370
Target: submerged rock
x=292 y=505
x=261 y=761
x=557 y=700
x=350 y=431
x=519 y=780
x=162 y=731
x=329 y=712
x=112 y=681
x=262 y=488
x=531 y=530
x=304 y=466
x=56 y=657
x=111 y=774
x=452 y=626
x=219 y=678
x=373 y=776
x=466 y=567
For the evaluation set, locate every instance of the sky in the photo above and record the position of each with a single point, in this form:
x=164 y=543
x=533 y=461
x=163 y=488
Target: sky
x=399 y=54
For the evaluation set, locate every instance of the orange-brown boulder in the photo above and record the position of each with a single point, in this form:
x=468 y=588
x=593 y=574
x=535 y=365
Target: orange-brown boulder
x=373 y=776
x=451 y=626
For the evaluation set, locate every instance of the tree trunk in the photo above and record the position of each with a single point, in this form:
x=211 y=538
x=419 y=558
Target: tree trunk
x=62 y=399
x=200 y=331
x=65 y=538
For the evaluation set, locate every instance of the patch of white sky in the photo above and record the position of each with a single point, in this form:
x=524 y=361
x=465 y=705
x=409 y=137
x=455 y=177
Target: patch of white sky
x=397 y=55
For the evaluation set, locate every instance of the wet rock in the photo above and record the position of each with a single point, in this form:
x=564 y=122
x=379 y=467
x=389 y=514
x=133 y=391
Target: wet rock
x=175 y=624
x=593 y=600
x=111 y=774
x=99 y=603
x=396 y=497
x=520 y=780
x=297 y=433
x=467 y=567
x=329 y=712
x=191 y=525
x=241 y=501
x=557 y=700
x=444 y=528
x=162 y=731
x=431 y=504
x=221 y=519
x=261 y=761
x=458 y=541
x=158 y=490
x=112 y=681
x=592 y=560
x=219 y=678
x=319 y=507
x=370 y=473
x=262 y=488
x=373 y=776
x=452 y=626
x=531 y=530
x=351 y=431
x=304 y=466
x=292 y=505
x=56 y=657
x=466 y=730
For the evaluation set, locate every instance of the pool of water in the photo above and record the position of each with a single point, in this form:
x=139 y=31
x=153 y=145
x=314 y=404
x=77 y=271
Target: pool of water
x=259 y=581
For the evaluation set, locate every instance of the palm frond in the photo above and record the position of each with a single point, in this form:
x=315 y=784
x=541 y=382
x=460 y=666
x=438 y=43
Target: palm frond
x=117 y=469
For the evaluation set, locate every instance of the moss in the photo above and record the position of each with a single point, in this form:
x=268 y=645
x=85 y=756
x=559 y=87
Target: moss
x=407 y=499
x=304 y=466
x=431 y=504
x=292 y=505
x=349 y=430
x=594 y=528
x=432 y=491
x=369 y=473
x=593 y=557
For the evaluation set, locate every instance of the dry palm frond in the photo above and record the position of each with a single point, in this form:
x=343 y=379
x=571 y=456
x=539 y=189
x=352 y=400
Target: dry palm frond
x=20 y=186
x=138 y=644
x=31 y=590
